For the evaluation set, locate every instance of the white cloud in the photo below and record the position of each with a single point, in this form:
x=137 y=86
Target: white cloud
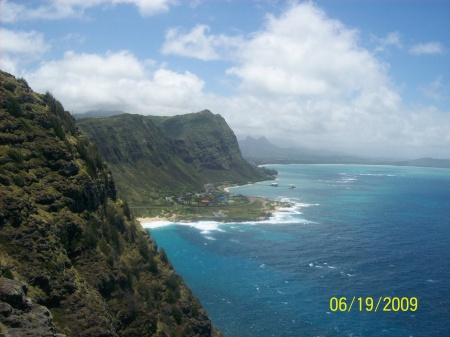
x=430 y=48
x=198 y=43
x=303 y=53
x=436 y=90
x=150 y=7
x=57 y=9
x=116 y=80
x=304 y=76
x=13 y=12
x=21 y=42
x=392 y=39
x=20 y=47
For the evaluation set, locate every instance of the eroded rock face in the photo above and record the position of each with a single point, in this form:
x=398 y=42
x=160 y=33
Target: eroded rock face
x=153 y=153
x=86 y=267
x=19 y=316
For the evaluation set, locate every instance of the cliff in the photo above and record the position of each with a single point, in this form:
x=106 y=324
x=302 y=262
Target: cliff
x=151 y=155
x=73 y=260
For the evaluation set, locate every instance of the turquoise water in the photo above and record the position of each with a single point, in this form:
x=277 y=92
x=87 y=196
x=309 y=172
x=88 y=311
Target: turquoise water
x=363 y=231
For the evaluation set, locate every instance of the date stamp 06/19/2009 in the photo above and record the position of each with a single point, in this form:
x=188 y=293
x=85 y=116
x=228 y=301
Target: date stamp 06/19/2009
x=370 y=304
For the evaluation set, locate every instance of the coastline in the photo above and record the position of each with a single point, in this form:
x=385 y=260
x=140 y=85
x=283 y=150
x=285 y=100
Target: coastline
x=257 y=209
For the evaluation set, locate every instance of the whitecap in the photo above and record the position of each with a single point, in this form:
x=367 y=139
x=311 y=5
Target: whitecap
x=156 y=224
x=204 y=225
x=284 y=215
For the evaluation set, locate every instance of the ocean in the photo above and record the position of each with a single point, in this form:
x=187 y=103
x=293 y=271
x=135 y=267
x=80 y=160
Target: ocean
x=364 y=251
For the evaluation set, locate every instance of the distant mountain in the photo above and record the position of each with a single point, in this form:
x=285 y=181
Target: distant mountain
x=425 y=162
x=261 y=151
x=98 y=114
x=150 y=155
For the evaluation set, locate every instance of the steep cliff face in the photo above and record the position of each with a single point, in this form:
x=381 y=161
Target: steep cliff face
x=206 y=141
x=73 y=260
x=149 y=155
x=128 y=139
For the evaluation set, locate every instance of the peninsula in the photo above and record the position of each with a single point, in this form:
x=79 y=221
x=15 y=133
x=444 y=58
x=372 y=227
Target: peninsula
x=178 y=167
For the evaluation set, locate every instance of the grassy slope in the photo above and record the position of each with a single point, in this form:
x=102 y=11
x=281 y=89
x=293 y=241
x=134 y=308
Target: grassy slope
x=66 y=234
x=152 y=156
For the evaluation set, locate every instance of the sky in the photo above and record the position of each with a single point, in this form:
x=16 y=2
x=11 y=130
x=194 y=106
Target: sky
x=368 y=78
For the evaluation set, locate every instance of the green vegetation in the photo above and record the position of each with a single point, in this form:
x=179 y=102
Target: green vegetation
x=247 y=209
x=155 y=157
x=215 y=204
x=71 y=240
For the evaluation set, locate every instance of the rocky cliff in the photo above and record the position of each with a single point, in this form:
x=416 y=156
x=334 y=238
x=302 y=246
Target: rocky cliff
x=152 y=155
x=73 y=260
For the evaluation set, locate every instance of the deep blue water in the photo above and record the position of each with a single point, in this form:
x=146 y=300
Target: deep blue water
x=364 y=231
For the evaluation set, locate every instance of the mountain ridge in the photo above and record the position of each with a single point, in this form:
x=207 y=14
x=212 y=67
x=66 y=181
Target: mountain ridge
x=73 y=259
x=262 y=151
x=151 y=155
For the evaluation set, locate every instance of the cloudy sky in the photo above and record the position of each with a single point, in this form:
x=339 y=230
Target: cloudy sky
x=364 y=77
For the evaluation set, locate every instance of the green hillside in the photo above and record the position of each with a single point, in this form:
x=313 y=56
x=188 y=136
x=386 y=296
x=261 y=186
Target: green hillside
x=73 y=260
x=154 y=156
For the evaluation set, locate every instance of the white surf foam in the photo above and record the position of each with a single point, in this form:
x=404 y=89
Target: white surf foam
x=206 y=227
x=432 y=281
x=156 y=224
x=285 y=215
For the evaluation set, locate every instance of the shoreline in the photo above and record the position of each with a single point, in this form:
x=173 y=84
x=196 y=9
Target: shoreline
x=264 y=209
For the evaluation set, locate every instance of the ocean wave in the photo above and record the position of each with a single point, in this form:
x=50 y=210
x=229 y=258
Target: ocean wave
x=347 y=180
x=156 y=224
x=377 y=174
x=432 y=281
x=290 y=214
x=206 y=227
x=284 y=215
x=321 y=265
